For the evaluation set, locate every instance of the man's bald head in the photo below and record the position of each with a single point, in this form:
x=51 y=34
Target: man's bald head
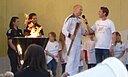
x=77 y=6
x=77 y=9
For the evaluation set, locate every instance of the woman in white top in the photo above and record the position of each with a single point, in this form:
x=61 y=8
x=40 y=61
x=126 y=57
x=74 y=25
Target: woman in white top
x=52 y=50
x=90 y=47
x=119 y=47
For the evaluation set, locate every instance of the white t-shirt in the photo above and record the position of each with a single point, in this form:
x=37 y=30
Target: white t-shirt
x=118 y=49
x=52 y=48
x=90 y=47
x=103 y=30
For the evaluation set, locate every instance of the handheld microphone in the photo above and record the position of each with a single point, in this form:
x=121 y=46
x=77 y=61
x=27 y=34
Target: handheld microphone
x=83 y=16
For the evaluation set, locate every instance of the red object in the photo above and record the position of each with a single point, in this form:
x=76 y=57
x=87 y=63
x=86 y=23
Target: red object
x=85 y=55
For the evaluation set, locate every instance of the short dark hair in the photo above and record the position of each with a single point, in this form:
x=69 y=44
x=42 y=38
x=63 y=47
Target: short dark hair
x=31 y=15
x=13 y=19
x=35 y=58
x=105 y=10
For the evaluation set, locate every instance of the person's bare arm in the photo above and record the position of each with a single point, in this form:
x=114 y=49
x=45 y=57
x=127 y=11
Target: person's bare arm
x=113 y=38
x=88 y=27
x=121 y=55
x=112 y=44
x=112 y=51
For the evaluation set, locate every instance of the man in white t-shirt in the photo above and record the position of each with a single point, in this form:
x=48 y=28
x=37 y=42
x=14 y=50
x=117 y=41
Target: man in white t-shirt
x=104 y=28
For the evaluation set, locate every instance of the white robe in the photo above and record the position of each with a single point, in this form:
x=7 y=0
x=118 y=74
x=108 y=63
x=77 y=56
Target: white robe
x=73 y=60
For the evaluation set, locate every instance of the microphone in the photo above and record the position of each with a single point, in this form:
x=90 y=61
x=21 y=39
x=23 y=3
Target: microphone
x=83 y=16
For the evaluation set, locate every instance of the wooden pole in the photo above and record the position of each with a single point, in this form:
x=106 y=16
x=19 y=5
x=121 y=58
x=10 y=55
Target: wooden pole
x=75 y=32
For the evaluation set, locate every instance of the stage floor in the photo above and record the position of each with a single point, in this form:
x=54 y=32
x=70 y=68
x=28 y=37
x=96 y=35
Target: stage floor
x=4 y=65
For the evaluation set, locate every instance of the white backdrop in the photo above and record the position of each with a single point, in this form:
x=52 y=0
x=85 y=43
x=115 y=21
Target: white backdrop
x=124 y=35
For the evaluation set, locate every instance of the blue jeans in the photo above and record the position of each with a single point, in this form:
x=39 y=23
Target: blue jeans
x=101 y=54
x=52 y=65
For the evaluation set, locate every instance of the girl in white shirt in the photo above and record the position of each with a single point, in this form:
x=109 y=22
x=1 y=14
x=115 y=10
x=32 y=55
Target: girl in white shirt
x=90 y=47
x=52 y=50
x=119 y=47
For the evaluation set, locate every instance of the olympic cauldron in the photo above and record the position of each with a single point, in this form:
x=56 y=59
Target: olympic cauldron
x=24 y=42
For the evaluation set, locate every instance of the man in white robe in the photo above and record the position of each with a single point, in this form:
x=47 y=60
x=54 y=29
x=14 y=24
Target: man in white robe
x=68 y=29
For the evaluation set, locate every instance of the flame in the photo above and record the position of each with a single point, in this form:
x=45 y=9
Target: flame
x=21 y=62
x=26 y=20
x=19 y=49
x=30 y=26
x=35 y=31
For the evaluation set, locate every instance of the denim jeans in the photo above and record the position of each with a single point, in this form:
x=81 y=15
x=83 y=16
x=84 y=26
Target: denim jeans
x=52 y=65
x=101 y=54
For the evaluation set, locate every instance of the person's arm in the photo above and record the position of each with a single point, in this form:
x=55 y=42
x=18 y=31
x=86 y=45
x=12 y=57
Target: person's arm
x=112 y=51
x=47 y=51
x=84 y=32
x=113 y=38
x=123 y=52
x=49 y=54
x=66 y=28
x=90 y=30
x=10 y=36
x=112 y=27
x=121 y=55
x=61 y=55
x=113 y=32
x=112 y=44
x=11 y=44
x=60 y=51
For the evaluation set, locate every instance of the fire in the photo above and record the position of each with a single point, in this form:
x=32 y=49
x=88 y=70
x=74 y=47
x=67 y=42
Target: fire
x=21 y=62
x=35 y=31
x=26 y=20
x=19 y=49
